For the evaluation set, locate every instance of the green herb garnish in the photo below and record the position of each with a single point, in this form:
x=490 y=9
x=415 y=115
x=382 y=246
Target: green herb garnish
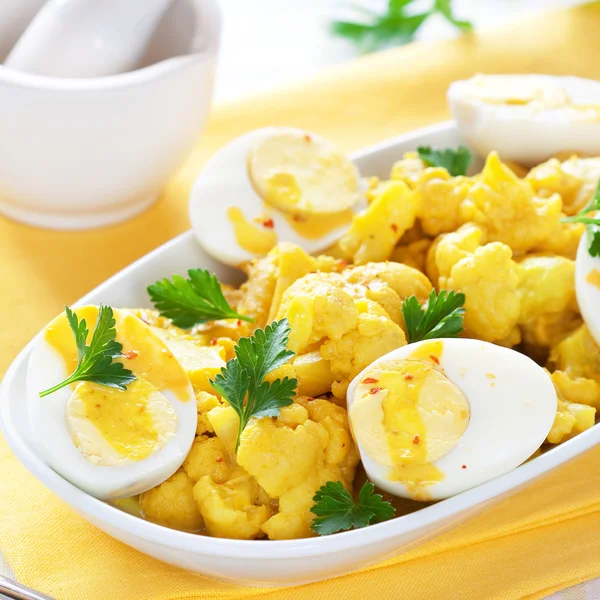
x=456 y=162
x=189 y=302
x=592 y=224
x=372 y=31
x=96 y=362
x=443 y=317
x=241 y=381
x=337 y=510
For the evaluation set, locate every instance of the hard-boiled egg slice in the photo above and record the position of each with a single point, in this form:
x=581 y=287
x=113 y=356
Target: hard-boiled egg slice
x=111 y=443
x=587 y=286
x=276 y=184
x=436 y=418
x=527 y=118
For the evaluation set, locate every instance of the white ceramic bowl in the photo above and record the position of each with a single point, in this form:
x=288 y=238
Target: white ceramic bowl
x=262 y=562
x=82 y=153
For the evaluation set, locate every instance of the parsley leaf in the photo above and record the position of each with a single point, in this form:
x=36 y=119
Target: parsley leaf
x=337 y=510
x=241 y=381
x=442 y=318
x=456 y=162
x=96 y=361
x=188 y=302
x=399 y=25
x=592 y=224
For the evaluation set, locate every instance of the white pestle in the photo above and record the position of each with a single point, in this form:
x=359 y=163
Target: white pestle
x=87 y=38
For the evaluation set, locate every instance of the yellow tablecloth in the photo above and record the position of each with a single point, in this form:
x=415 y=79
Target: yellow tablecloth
x=546 y=538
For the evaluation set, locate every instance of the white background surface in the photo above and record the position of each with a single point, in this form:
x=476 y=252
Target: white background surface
x=268 y=43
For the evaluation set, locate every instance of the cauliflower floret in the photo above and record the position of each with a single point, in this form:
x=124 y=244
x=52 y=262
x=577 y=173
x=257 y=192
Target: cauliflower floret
x=374 y=233
x=172 y=504
x=204 y=403
x=440 y=196
x=413 y=254
x=574 y=179
x=571 y=417
x=563 y=241
x=408 y=169
x=548 y=330
x=403 y=280
x=449 y=248
x=489 y=278
x=578 y=389
x=313 y=373
x=208 y=456
x=292 y=457
x=235 y=509
x=577 y=355
x=547 y=286
x=509 y=209
x=317 y=306
x=268 y=278
x=375 y=335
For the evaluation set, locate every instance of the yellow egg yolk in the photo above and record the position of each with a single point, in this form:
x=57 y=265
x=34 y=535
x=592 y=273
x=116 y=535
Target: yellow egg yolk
x=250 y=236
x=133 y=422
x=406 y=414
x=299 y=173
x=531 y=92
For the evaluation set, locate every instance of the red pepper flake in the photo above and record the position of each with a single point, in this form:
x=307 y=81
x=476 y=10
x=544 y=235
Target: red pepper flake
x=213 y=342
x=375 y=390
x=394 y=227
x=434 y=358
x=268 y=223
x=219 y=459
x=299 y=218
x=130 y=354
x=239 y=322
x=464 y=467
x=307 y=138
x=309 y=399
x=409 y=377
x=370 y=380
x=416 y=440
x=343 y=262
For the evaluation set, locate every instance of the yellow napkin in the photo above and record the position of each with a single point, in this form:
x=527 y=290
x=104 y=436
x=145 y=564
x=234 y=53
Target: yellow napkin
x=543 y=539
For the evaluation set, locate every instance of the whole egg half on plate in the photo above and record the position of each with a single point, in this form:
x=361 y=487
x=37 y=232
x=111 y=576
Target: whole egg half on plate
x=460 y=419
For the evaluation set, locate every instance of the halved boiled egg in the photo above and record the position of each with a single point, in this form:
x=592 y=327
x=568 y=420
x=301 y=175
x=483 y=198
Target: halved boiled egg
x=587 y=286
x=436 y=418
x=527 y=118
x=111 y=443
x=272 y=185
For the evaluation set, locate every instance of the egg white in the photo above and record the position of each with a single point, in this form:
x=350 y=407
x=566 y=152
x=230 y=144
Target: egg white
x=510 y=415
x=519 y=134
x=224 y=182
x=588 y=295
x=51 y=431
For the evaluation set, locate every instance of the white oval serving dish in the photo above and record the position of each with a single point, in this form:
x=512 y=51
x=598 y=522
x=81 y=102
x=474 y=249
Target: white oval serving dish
x=268 y=563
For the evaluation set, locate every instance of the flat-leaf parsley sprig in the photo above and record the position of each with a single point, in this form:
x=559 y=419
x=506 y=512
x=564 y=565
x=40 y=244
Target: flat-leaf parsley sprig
x=592 y=224
x=397 y=26
x=336 y=509
x=96 y=362
x=456 y=162
x=192 y=301
x=241 y=381
x=442 y=318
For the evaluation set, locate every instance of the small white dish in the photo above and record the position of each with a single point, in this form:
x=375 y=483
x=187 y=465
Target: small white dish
x=84 y=153
x=267 y=563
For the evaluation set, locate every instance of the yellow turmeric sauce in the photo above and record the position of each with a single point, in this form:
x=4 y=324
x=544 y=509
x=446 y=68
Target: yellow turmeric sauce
x=252 y=237
x=593 y=277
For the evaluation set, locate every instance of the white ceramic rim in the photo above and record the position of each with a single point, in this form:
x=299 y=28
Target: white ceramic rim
x=267 y=549
x=122 y=80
